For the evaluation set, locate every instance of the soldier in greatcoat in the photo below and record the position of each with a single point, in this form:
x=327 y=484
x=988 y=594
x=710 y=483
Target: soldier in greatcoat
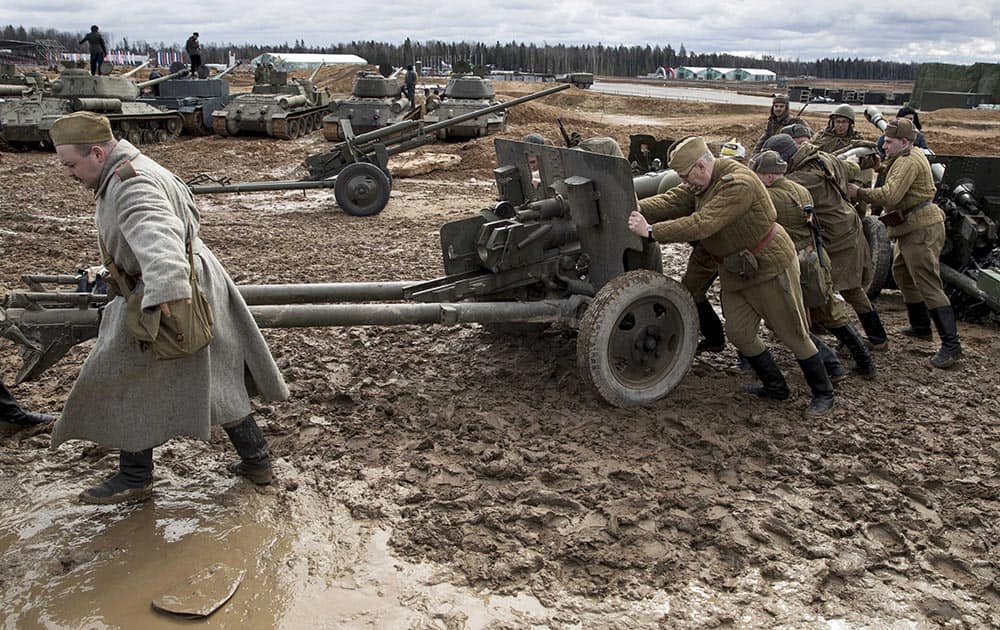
x=794 y=206
x=827 y=179
x=722 y=204
x=778 y=117
x=916 y=223
x=125 y=397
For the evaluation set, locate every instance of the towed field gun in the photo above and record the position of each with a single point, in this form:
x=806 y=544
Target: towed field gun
x=274 y=107
x=968 y=191
x=357 y=168
x=565 y=255
x=26 y=121
x=195 y=98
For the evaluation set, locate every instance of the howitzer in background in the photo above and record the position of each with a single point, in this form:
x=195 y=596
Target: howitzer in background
x=357 y=168
x=968 y=191
x=554 y=248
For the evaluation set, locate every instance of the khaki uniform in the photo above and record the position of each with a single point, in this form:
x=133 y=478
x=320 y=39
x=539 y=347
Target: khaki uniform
x=830 y=142
x=826 y=178
x=790 y=200
x=916 y=267
x=733 y=213
x=774 y=125
x=700 y=274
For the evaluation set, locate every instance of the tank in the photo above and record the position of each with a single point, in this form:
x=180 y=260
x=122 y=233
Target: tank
x=26 y=121
x=195 y=98
x=582 y=80
x=463 y=94
x=276 y=107
x=14 y=83
x=375 y=102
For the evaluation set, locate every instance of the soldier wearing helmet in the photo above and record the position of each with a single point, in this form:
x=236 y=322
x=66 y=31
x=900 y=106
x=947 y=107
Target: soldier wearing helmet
x=839 y=132
x=778 y=118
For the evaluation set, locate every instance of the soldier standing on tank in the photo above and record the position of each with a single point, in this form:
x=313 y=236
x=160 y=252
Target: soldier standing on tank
x=722 y=204
x=193 y=49
x=794 y=206
x=916 y=223
x=98 y=49
x=778 y=118
x=410 y=83
x=827 y=180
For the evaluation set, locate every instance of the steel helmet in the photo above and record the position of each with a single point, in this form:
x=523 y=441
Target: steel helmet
x=845 y=111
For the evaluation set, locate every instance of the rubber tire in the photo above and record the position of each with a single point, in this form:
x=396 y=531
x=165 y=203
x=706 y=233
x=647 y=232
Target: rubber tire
x=604 y=317
x=375 y=177
x=881 y=249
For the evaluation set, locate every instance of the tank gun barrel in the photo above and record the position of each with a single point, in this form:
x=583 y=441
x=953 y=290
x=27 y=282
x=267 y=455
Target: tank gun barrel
x=158 y=80
x=228 y=70
x=316 y=71
x=494 y=108
x=137 y=68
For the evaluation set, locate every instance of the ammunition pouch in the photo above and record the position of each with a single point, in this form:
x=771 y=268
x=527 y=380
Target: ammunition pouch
x=743 y=264
x=811 y=277
x=898 y=217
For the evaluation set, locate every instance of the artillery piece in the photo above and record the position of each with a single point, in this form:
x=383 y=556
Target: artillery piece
x=375 y=102
x=968 y=192
x=464 y=94
x=274 y=107
x=195 y=98
x=357 y=168
x=26 y=121
x=555 y=247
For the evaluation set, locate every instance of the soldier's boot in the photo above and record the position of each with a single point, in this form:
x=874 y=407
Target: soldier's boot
x=131 y=484
x=255 y=458
x=874 y=330
x=772 y=381
x=12 y=412
x=834 y=367
x=920 y=321
x=820 y=386
x=710 y=326
x=951 y=348
x=863 y=363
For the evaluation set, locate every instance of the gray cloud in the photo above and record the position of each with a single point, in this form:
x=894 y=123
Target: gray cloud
x=959 y=31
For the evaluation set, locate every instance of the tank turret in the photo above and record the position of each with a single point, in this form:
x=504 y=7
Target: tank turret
x=463 y=94
x=195 y=98
x=375 y=102
x=278 y=106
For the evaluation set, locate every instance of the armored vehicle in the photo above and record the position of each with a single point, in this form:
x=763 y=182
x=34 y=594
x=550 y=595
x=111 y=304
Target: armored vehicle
x=194 y=97
x=375 y=102
x=26 y=121
x=275 y=107
x=14 y=83
x=464 y=94
x=582 y=80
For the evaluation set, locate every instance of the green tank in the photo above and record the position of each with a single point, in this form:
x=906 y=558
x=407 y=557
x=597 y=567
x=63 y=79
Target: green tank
x=26 y=120
x=276 y=107
x=464 y=94
x=14 y=83
x=375 y=102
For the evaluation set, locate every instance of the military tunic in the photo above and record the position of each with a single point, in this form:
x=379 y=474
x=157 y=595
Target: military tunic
x=790 y=200
x=774 y=125
x=826 y=178
x=125 y=397
x=909 y=188
x=732 y=213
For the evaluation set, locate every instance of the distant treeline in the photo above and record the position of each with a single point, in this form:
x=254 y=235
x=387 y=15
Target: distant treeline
x=625 y=61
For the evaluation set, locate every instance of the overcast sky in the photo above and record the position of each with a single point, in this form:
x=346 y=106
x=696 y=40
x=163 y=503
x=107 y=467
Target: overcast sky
x=953 y=31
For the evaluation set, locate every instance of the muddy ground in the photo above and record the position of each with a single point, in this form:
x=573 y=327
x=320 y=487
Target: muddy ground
x=448 y=477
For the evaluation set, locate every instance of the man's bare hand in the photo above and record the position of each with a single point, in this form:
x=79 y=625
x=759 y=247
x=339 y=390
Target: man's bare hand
x=852 y=191
x=637 y=224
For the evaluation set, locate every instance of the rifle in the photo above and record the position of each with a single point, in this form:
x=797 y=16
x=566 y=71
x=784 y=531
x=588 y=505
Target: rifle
x=571 y=139
x=817 y=231
x=804 y=106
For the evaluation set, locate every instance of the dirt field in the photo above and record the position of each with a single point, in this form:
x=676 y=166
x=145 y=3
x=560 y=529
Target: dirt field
x=447 y=477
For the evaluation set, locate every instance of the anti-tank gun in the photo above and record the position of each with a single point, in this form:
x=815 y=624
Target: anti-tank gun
x=555 y=247
x=357 y=168
x=968 y=192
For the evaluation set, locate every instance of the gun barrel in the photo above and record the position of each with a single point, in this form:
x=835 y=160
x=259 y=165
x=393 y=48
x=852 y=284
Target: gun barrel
x=494 y=108
x=158 y=80
x=137 y=68
x=293 y=184
x=228 y=70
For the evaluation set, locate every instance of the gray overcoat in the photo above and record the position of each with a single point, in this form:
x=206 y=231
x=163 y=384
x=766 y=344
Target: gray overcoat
x=125 y=397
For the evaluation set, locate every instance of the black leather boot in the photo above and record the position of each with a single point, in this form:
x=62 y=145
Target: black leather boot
x=863 y=363
x=255 y=459
x=773 y=383
x=874 y=330
x=710 y=326
x=132 y=483
x=920 y=321
x=12 y=412
x=831 y=361
x=951 y=348
x=819 y=385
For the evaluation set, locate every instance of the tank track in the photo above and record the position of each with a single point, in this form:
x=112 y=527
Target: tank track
x=147 y=129
x=194 y=124
x=298 y=123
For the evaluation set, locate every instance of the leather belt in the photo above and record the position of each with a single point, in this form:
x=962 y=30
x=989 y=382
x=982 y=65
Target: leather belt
x=761 y=244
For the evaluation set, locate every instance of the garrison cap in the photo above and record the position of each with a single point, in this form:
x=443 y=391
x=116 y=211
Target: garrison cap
x=768 y=162
x=901 y=128
x=81 y=128
x=797 y=131
x=783 y=144
x=687 y=152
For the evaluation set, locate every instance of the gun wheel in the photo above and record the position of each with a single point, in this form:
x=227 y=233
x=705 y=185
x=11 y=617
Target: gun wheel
x=637 y=338
x=881 y=248
x=362 y=189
